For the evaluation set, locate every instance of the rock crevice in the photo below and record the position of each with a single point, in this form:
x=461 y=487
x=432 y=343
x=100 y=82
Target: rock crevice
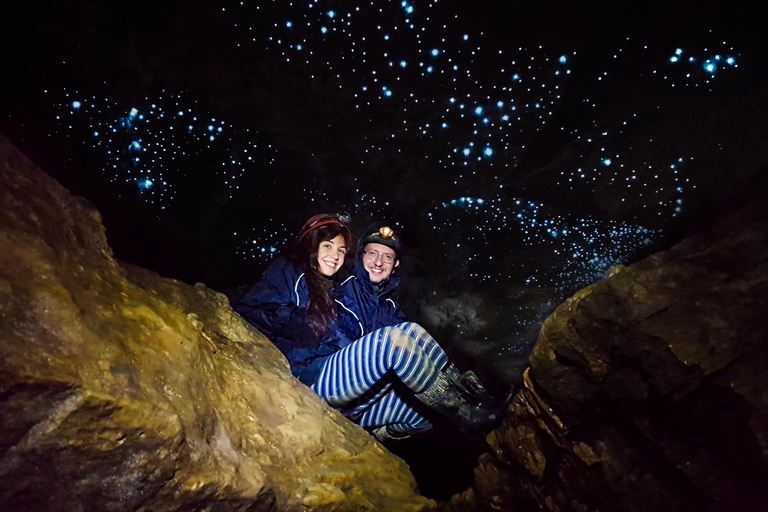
x=647 y=390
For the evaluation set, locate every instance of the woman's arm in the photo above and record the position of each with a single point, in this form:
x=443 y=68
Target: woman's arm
x=272 y=304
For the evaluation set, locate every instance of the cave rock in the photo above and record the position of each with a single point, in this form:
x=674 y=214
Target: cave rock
x=646 y=391
x=123 y=390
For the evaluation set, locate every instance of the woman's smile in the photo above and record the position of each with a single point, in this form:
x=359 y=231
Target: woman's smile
x=330 y=255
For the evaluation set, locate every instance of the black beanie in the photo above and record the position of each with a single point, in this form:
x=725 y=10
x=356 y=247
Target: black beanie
x=381 y=233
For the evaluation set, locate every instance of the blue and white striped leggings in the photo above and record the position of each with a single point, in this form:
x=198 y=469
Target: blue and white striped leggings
x=369 y=379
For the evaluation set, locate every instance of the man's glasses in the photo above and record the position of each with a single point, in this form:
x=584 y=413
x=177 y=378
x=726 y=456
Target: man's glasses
x=374 y=255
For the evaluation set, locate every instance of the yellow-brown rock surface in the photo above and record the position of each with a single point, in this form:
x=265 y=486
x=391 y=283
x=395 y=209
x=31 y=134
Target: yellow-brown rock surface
x=122 y=390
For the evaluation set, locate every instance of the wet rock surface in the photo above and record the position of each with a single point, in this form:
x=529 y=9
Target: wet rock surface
x=647 y=390
x=122 y=390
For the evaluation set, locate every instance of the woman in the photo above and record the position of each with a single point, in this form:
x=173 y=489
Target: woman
x=380 y=379
x=293 y=302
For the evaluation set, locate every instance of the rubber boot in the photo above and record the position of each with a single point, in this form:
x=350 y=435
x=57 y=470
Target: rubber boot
x=460 y=398
x=383 y=434
x=469 y=384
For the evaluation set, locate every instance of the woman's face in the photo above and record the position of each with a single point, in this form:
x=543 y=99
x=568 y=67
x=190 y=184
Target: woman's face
x=330 y=255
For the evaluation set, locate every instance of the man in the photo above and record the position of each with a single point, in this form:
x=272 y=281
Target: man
x=371 y=293
x=372 y=289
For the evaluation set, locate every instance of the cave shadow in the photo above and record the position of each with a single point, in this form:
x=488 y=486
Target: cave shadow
x=442 y=460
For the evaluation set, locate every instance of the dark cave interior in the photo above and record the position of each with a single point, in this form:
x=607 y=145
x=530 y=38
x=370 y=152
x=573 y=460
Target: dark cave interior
x=524 y=149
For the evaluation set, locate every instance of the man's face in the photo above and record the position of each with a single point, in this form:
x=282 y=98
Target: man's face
x=379 y=261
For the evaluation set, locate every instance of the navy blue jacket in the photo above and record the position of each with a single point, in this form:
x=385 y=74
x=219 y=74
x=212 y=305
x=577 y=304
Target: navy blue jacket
x=377 y=307
x=277 y=306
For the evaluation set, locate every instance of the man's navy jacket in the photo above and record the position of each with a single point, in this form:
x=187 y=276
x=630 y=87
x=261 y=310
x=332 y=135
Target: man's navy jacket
x=378 y=306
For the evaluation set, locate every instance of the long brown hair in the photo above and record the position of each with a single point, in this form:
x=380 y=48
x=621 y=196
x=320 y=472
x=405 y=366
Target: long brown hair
x=320 y=310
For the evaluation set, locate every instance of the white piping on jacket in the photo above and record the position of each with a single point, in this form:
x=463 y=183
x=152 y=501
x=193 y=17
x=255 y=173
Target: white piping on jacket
x=362 y=331
x=296 y=288
x=296 y=291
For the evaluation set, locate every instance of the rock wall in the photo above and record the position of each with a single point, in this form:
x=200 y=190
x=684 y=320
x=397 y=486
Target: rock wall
x=121 y=390
x=646 y=391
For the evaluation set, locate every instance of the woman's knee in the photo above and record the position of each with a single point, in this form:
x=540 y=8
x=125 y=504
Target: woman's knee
x=412 y=327
x=401 y=336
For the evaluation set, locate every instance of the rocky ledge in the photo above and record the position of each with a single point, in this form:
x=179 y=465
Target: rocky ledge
x=646 y=391
x=122 y=390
